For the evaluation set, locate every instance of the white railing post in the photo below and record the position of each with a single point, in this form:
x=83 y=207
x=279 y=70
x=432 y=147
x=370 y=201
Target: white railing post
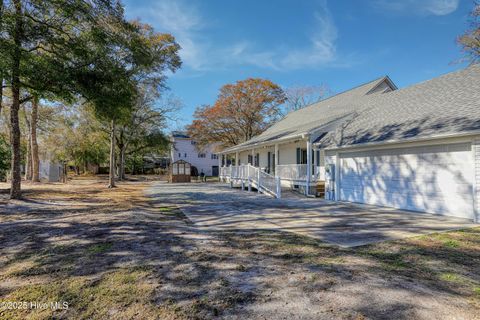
x=309 y=166
x=279 y=187
x=258 y=180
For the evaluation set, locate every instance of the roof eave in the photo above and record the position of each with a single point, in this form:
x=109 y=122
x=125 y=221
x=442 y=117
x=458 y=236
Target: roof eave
x=265 y=143
x=397 y=141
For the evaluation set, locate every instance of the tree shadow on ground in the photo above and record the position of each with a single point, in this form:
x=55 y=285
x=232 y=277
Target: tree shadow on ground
x=204 y=274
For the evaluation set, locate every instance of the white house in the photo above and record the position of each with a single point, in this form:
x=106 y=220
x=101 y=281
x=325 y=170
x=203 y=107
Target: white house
x=416 y=148
x=185 y=148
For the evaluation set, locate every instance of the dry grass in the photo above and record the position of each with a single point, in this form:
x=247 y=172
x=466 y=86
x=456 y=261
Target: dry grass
x=119 y=254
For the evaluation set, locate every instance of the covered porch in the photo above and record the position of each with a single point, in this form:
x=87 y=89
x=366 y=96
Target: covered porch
x=288 y=165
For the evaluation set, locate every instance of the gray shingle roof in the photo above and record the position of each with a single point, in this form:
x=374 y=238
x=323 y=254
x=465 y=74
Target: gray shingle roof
x=316 y=115
x=446 y=105
x=449 y=104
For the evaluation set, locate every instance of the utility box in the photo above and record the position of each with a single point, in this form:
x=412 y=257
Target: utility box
x=180 y=171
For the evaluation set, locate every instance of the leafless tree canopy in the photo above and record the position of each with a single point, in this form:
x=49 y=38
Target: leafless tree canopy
x=299 y=97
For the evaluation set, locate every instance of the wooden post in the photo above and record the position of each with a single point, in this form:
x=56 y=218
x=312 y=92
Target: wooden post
x=65 y=172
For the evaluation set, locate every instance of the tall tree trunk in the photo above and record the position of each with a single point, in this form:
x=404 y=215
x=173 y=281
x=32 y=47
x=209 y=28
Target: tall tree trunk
x=15 y=189
x=28 y=156
x=28 y=160
x=1 y=93
x=33 y=138
x=1 y=74
x=121 y=175
x=111 y=173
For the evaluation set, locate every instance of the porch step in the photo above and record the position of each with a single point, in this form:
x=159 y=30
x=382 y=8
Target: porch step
x=320 y=189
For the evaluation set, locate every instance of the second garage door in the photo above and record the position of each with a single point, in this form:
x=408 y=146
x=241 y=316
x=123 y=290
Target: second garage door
x=436 y=179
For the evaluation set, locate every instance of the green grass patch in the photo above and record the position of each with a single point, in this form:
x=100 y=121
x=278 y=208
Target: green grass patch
x=99 y=248
x=452 y=277
x=476 y=291
x=451 y=243
x=389 y=260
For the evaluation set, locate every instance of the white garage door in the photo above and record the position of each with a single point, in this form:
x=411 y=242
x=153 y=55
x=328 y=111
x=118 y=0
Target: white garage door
x=435 y=179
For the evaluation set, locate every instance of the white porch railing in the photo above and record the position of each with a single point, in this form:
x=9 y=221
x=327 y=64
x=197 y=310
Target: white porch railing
x=292 y=172
x=263 y=181
x=269 y=183
x=298 y=172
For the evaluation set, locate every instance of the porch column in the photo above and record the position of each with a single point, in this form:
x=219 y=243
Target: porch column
x=276 y=158
x=219 y=158
x=237 y=158
x=309 y=165
x=315 y=161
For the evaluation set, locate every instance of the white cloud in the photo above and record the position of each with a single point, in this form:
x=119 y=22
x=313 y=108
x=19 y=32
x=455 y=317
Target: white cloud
x=322 y=49
x=185 y=22
x=419 y=7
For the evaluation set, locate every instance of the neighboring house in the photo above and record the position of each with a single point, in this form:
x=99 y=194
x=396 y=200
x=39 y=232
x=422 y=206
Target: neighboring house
x=50 y=171
x=416 y=148
x=185 y=148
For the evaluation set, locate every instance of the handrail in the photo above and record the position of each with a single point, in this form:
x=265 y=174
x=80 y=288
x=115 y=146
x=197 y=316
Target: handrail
x=264 y=181
x=270 y=183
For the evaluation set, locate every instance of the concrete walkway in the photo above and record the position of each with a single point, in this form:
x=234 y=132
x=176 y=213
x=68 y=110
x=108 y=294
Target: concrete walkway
x=217 y=207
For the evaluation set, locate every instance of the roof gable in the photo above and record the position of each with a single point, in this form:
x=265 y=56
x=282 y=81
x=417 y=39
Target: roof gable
x=446 y=105
x=321 y=113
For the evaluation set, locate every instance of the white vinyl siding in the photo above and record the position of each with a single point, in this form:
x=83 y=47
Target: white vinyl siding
x=437 y=179
x=184 y=149
x=476 y=154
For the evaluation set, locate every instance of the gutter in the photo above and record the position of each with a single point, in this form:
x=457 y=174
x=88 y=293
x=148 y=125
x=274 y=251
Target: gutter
x=264 y=143
x=399 y=141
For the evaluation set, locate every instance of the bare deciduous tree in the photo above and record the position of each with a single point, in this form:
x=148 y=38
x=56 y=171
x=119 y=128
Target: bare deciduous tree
x=299 y=97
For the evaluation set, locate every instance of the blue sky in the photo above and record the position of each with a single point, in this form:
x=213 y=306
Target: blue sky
x=305 y=42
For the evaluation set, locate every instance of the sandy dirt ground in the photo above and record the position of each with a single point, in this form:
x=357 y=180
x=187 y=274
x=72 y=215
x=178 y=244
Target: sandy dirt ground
x=128 y=253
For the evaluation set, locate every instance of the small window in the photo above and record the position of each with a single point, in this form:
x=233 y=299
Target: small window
x=202 y=155
x=214 y=156
x=185 y=154
x=193 y=142
x=179 y=155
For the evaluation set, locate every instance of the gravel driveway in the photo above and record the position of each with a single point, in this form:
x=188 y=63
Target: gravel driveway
x=217 y=207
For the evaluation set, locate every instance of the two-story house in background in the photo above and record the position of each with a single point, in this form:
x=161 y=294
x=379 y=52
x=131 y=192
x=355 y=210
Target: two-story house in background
x=183 y=147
